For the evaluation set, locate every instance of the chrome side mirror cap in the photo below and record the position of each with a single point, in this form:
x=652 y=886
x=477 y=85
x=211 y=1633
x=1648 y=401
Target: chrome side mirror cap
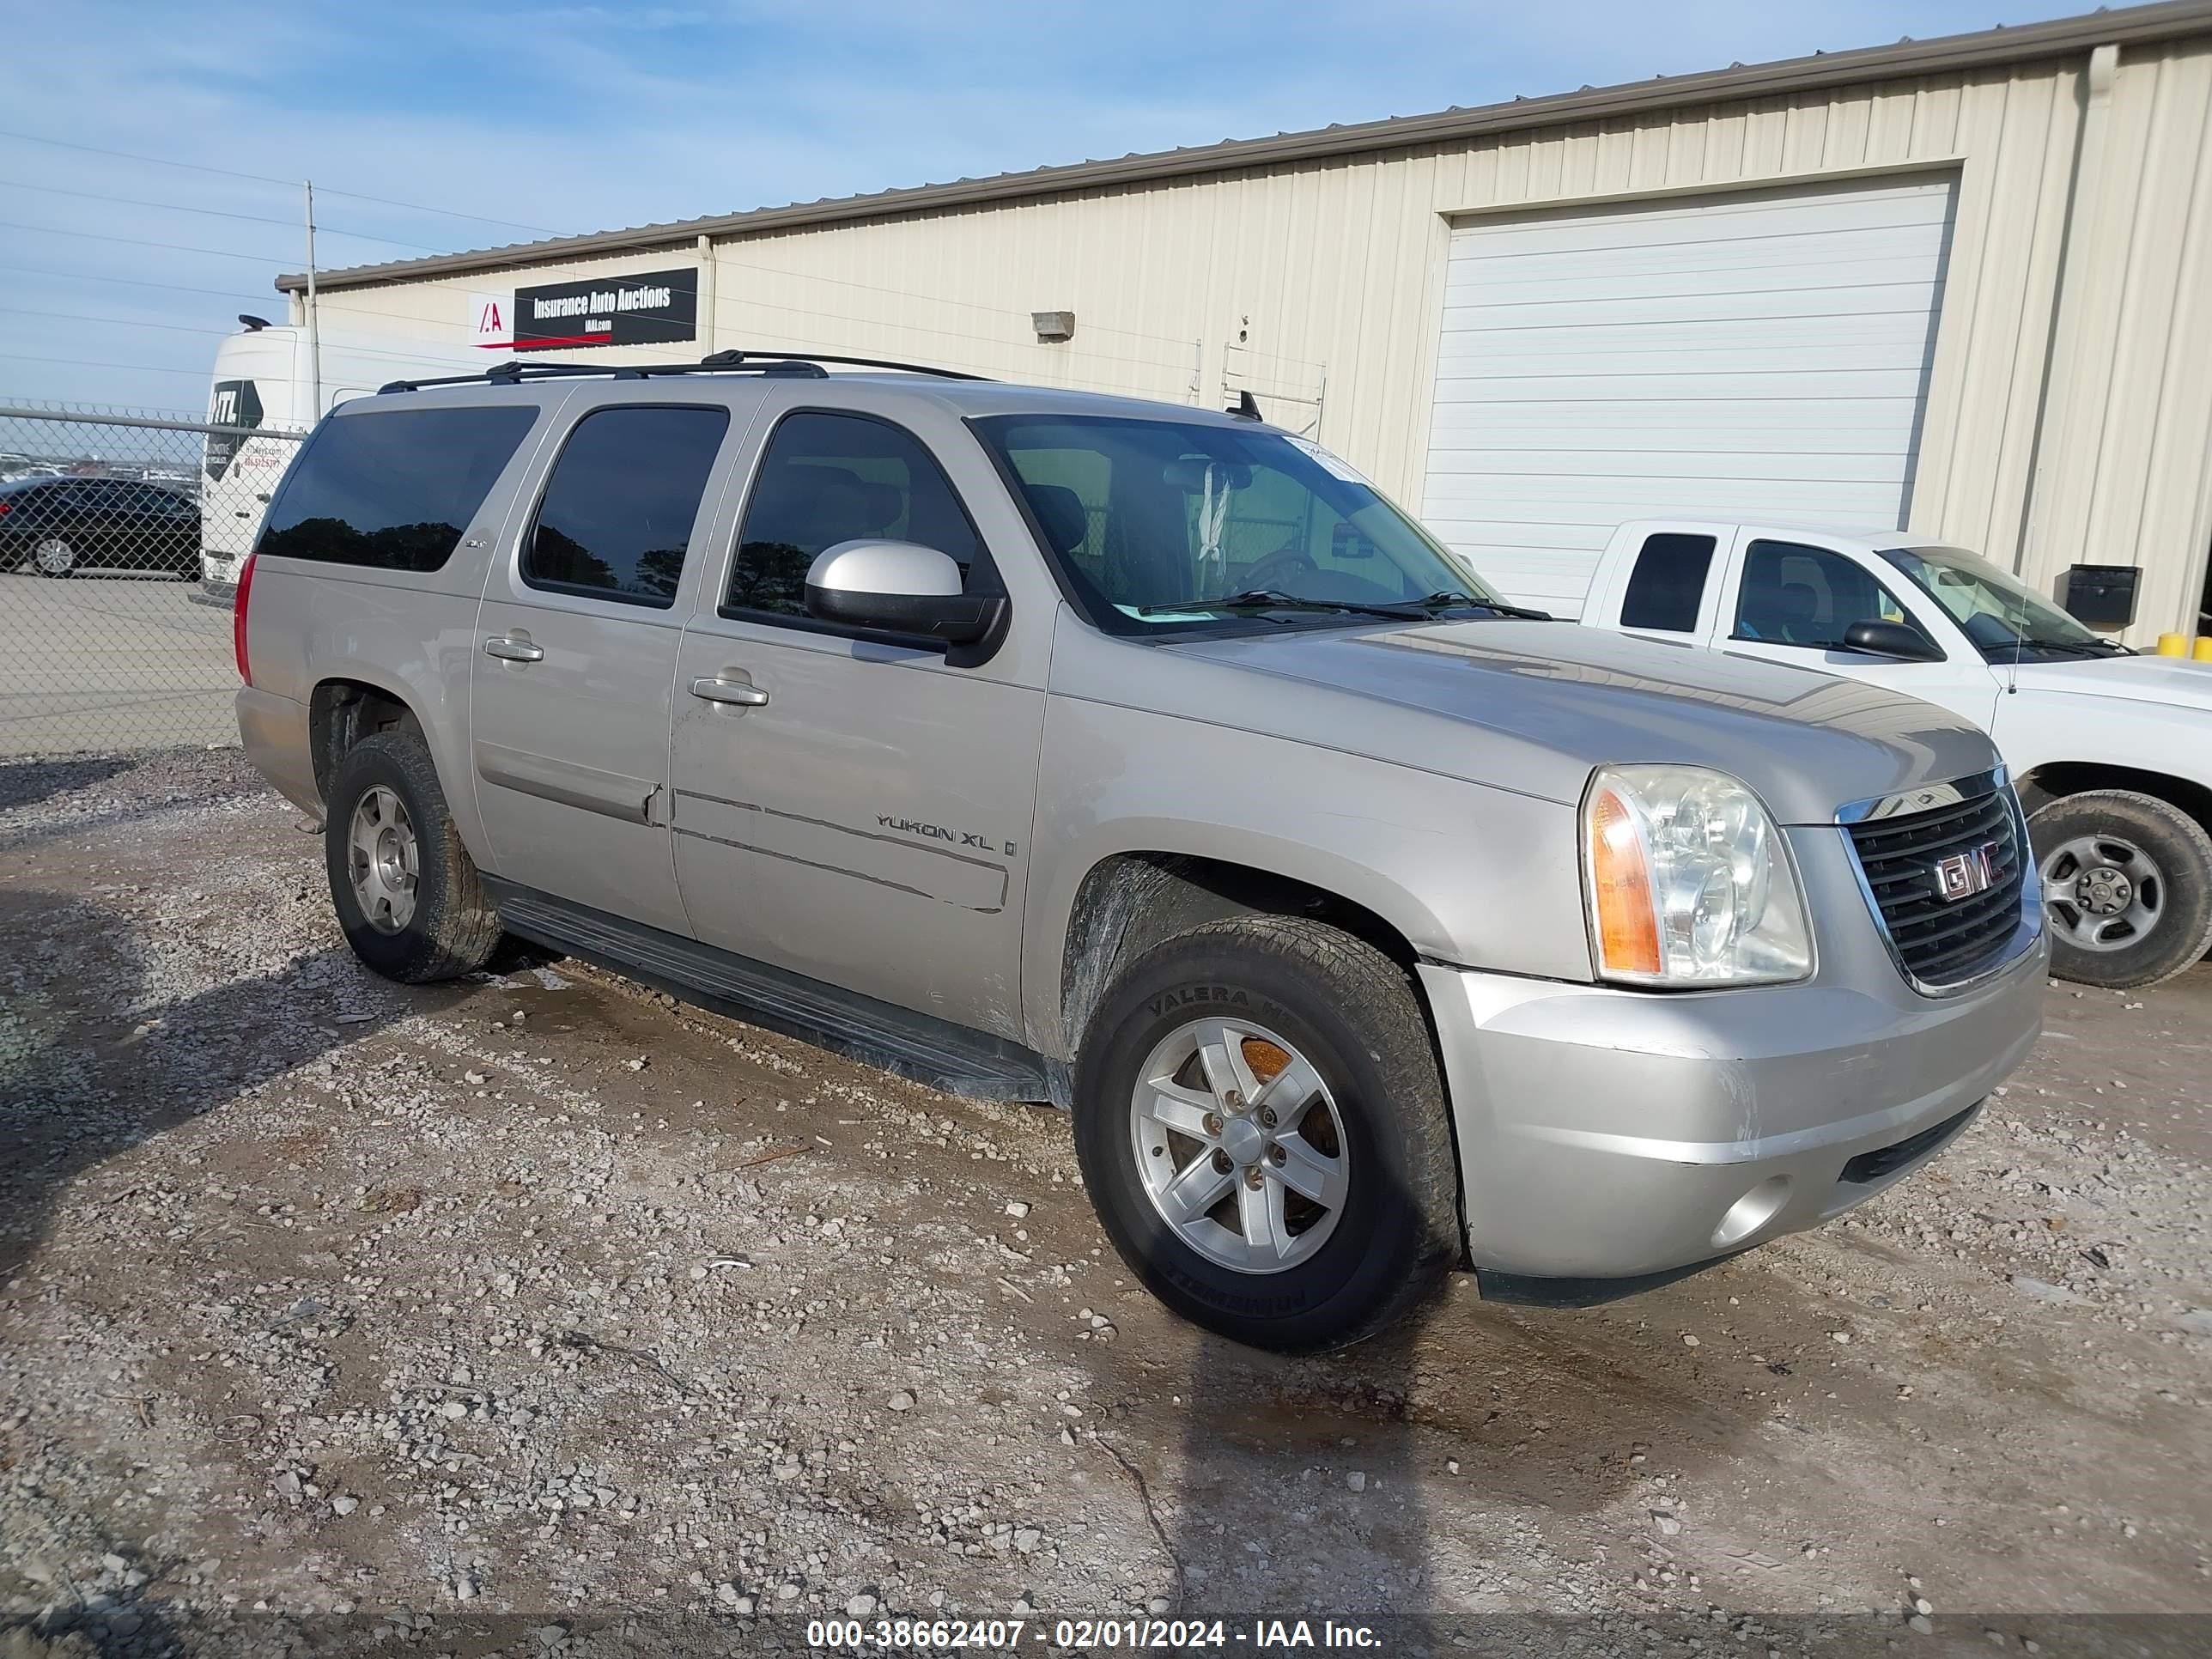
x=899 y=587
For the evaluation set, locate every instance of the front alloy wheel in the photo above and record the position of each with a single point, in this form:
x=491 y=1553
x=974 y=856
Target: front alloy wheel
x=1239 y=1145
x=1262 y=1128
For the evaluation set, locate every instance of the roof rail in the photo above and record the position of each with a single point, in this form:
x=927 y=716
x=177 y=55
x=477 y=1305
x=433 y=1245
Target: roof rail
x=805 y=365
x=742 y=359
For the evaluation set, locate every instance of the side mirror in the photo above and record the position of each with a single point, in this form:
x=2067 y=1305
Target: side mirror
x=899 y=587
x=1889 y=639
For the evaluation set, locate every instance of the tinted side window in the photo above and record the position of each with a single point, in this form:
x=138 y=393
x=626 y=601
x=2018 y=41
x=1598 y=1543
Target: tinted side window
x=829 y=478
x=617 y=512
x=1797 y=595
x=1667 y=583
x=103 y=502
x=148 y=498
x=392 y=488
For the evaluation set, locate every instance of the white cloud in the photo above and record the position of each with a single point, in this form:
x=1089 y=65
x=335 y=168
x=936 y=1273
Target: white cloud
x=587 y=117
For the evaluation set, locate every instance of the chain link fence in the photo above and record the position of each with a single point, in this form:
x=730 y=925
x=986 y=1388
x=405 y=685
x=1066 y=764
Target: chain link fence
x=120 y=536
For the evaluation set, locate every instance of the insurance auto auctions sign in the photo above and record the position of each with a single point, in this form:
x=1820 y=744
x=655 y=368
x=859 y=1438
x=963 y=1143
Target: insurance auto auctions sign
x=650 y=309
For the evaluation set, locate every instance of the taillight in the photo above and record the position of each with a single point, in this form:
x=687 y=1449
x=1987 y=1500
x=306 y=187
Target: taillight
x=6 y=507
x=238 y=618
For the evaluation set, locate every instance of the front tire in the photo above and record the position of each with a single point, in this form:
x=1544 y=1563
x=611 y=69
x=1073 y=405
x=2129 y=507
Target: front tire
x=1263 y=1128
x=404 y=888
x=2127 y=887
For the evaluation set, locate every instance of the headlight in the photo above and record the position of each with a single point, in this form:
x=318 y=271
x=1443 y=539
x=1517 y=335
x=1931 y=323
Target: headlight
x=1688 y=882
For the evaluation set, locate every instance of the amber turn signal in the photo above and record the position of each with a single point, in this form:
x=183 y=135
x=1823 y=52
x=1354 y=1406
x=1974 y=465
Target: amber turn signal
x=1621 y=889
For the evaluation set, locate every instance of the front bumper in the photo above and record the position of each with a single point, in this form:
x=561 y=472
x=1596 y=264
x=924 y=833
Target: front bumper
x=1609 y=1134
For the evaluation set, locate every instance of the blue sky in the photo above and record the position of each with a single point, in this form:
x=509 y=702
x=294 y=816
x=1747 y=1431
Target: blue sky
x=571 y=118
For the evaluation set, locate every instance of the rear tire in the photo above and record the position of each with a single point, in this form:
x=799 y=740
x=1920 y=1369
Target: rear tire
x=1371 y=1131
x=2127 y=882
x=404 y=888
x=53 y=556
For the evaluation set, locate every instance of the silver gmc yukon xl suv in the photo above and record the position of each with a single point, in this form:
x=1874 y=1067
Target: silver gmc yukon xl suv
x=1146 y=760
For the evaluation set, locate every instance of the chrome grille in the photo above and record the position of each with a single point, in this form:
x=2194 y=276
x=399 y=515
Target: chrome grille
x=1941 y=942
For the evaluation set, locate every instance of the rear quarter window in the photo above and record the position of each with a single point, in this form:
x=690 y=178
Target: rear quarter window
x=1667 y=584
x=392 y=490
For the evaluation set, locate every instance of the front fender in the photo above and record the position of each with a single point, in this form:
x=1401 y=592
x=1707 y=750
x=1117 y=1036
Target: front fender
x=1467 y=874
x=2036 y=729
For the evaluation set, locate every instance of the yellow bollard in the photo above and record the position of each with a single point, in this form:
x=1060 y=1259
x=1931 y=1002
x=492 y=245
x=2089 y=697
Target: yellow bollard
x=2203 y=650
x=2173 y=645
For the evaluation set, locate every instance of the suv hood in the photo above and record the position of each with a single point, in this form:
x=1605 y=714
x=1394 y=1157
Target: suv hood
x=1532 y=707
x=2170 y=680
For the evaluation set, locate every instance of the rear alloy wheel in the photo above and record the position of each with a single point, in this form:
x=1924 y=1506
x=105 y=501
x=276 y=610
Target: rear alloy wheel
x=1262 y=1128
x=2127 y=887
x=385 y=860
x=52 y=557
x=403 y=886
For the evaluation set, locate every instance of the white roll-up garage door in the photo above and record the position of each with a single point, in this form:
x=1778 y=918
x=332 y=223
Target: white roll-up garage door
x=1759 y=356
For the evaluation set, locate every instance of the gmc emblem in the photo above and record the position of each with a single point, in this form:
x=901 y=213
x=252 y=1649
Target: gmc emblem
x=1962 y=875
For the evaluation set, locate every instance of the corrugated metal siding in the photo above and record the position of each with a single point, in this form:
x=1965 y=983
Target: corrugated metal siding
x=1321 y=284
x=2128 y=442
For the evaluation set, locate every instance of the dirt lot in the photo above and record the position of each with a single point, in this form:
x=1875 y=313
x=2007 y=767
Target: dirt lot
x=536 y=1314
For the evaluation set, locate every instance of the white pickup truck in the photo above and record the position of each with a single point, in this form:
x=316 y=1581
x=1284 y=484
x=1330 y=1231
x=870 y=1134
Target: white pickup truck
x=2111 y=751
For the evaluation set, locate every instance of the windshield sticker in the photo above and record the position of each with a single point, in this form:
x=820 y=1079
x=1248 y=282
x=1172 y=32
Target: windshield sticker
x=1335 y=465
x=1141 y=614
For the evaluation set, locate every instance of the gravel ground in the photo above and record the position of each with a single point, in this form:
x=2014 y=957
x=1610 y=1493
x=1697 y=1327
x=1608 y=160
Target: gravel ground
x=541 y=1314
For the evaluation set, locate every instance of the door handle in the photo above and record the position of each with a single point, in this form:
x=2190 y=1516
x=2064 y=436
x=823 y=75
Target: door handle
x=729 y=691
x=507 y=649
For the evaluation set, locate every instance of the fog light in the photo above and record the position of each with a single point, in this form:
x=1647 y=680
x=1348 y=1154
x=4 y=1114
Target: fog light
x=1752 y=1211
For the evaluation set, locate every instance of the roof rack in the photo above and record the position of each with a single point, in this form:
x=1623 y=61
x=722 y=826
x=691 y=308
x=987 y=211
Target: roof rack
x=803 y=365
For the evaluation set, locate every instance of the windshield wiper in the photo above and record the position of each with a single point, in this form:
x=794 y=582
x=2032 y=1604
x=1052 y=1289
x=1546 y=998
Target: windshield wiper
x=2099 y=649
x=1497 y=607
x=1269 y=598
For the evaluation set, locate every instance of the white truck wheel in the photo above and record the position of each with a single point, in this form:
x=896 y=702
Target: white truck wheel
x=2127 y=887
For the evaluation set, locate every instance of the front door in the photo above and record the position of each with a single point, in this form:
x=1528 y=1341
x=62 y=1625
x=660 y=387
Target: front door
x=575 y=652
x=1793 y=600
x=854 y=808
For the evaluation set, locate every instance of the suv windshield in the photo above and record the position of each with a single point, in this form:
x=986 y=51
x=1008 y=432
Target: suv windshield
x=1998 y=612
x=1161 y=525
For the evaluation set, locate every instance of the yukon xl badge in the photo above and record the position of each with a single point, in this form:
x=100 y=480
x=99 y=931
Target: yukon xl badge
x=1962 y=875
x=938 y=832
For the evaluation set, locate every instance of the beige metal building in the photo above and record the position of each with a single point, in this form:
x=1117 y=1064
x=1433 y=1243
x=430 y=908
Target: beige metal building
x=1962 y=286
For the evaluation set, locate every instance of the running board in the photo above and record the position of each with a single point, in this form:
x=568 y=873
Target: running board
x=961 y=1061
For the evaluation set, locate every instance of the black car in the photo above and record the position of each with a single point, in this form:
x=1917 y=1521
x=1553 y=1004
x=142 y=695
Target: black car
x=59 y=527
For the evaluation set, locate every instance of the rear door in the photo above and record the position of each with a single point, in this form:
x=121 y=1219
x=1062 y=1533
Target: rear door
x=576 y=648
x=168 y=525
x=106 y=525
